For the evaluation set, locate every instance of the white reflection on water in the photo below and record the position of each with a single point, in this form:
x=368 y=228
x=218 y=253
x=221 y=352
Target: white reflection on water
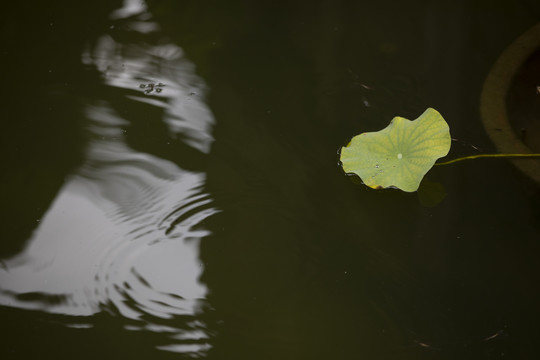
x=108 y=231
x=123 y=233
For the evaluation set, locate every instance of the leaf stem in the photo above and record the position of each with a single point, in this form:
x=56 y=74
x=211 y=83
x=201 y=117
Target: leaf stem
x=489 y=156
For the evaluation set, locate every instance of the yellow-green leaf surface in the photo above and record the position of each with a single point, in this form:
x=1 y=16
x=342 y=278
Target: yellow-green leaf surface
x=399 y=155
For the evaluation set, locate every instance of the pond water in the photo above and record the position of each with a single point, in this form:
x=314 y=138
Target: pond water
x=171 y=186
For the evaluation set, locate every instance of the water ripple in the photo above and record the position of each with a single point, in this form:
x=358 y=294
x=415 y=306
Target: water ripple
x=111 y=243
x=122 y=236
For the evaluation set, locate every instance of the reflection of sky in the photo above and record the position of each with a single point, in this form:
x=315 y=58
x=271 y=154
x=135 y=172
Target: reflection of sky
x=120 y=235
x=112 y=227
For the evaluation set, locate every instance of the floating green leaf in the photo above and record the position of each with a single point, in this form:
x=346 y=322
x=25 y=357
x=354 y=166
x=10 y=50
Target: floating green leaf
x=399 y=155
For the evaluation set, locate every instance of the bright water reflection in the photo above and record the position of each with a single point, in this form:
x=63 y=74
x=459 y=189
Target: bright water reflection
x=123 y=234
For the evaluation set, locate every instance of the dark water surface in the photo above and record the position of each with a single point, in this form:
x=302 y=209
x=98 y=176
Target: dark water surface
x=170 y=186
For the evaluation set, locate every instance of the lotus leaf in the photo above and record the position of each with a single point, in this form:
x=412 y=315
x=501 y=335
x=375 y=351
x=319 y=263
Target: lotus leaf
x=399 y=155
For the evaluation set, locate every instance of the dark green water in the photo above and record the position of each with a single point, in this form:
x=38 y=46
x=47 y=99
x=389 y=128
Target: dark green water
x=208 y=217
